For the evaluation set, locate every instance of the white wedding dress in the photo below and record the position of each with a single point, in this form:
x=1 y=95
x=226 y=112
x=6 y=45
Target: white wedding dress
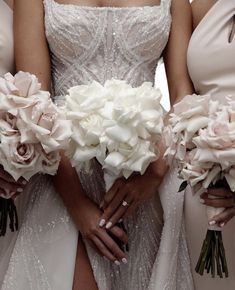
x=91 y=43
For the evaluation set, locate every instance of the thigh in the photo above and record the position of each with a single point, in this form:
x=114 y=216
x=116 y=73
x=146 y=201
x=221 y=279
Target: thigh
x=83 y=274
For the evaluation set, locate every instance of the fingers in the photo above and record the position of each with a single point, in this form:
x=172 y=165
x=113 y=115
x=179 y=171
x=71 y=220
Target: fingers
x=111 y=209
x=223 y=218
x=10 y=187
x=119 y=213
x=103 y=250
x=120 y=234
x=112 y=247
x=224 y=198
x=220 y=192
x=5 y=176
x=219 y=202
x=109 y=196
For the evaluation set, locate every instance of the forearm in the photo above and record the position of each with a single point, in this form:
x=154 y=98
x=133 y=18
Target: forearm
x=68 y=186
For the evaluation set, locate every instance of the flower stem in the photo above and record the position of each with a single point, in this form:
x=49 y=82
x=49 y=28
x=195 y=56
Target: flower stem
x=8 y=209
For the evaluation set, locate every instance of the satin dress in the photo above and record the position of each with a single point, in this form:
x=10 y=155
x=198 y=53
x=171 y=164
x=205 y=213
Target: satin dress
x=211 y=64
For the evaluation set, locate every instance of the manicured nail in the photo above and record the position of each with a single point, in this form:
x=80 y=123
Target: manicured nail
x=120 y=221
x=222 y=225
x=202 y=201
x=124 y=261
x=102 y=223
x=117 y=263
x=24 y=182
x=212 y=223
x=101 y=204
x=19 y=189
x=109 y=225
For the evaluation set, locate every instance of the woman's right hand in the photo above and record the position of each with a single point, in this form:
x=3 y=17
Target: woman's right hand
x=87 y=219
x=8 y=186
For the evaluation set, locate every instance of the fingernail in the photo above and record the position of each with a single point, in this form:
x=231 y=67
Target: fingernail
x=117 y=263
x=222 y=225
x=24 y=182
x=120 y=221
x=101 y=204
x=212 y=223
x=102 y=223
x=19 y=189
x=124 y=261
x=202 y=201
x=109 y=224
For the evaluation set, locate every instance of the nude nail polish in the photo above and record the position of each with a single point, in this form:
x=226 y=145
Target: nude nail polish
x=117 y=263
x=222 y=225
x=124 y=261
x=109 y=225
x=202 y=201
x=102 y=223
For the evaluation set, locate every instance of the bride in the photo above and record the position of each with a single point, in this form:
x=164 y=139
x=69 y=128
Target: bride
x=76 y=42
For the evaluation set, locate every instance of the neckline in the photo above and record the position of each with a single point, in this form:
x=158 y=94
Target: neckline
x=108 y=7
x=208 y=13
x=7 y=6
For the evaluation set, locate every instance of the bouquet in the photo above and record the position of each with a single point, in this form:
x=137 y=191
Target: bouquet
x=117 y=124
x=32 y=131
x=201 y=140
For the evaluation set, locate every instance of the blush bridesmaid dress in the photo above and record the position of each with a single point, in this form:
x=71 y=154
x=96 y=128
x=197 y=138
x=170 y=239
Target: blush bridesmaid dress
x=211 y=64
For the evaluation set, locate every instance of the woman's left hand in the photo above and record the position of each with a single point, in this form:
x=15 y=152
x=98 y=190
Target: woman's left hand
x=224 y=198
x=126 y=195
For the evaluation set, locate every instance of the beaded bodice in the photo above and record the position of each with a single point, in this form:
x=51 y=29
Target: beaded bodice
x=100 y=43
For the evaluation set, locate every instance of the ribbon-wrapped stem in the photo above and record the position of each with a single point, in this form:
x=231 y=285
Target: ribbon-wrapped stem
x=8 y=210
x=213 y=258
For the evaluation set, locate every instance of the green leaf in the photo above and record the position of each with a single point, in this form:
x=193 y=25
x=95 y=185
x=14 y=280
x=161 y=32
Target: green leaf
x=183 y=186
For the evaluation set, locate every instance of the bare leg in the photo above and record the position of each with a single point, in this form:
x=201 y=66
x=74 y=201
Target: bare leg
x=83 y=275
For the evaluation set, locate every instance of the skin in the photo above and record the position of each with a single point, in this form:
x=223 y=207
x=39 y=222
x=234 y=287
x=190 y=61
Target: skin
x=224 y=196
x=32 y=55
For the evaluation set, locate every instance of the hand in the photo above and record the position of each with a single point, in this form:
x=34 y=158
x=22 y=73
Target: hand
x=87 y=219
x=224 y=198
x=9 y=186
x=126 y=195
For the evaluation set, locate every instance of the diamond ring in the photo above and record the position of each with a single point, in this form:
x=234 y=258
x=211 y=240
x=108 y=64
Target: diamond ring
x=125 y=203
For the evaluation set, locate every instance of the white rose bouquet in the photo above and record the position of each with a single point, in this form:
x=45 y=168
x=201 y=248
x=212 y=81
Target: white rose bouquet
x=117 y=124
x=32 y=131
x=201 y=140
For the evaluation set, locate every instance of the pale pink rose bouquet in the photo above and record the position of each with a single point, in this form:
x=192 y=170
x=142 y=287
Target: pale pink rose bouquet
x=201 y=141
x=32 y=132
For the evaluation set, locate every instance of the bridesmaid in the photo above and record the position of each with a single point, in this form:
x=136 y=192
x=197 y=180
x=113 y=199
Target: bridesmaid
x=7 y=65
x=211 y=66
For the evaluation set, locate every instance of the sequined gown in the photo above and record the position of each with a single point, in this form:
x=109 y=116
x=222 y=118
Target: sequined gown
x=91 y=43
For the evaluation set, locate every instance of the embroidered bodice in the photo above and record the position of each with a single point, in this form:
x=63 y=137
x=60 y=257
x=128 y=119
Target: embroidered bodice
x=99 y=43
